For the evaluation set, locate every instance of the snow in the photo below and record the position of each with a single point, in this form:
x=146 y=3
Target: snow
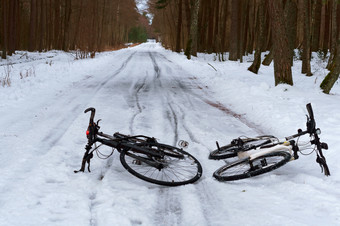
x=152 y=91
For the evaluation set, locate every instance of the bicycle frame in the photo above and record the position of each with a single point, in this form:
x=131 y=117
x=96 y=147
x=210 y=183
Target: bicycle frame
x=255 y=153
x=119 y=142
x=143 y=156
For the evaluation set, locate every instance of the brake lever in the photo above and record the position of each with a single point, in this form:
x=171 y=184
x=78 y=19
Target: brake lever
x=97 y=124
x=323 y=165
x=324 y=145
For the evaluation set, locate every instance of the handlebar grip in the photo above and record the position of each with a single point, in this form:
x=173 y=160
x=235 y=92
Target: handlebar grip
x=310 y=111
x=93 y=112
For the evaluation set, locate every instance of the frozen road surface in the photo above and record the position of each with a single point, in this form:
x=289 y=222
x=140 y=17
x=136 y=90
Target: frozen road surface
x=151 y=91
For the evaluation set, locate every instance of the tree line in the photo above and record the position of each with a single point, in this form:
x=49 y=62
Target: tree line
x=86 y=25
x=241 y=27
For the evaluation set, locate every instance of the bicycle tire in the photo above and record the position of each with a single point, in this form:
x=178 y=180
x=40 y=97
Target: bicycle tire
x=231 y=150
x=180 y=169
x=242 y=168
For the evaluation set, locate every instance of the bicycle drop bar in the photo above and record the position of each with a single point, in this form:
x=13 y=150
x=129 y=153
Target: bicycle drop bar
x=301 y=133
x=93 y=112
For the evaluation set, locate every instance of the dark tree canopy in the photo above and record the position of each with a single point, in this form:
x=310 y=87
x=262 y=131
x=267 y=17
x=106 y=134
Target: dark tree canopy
x=88 y=25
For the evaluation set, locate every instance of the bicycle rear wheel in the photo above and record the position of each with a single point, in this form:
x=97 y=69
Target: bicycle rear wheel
x=178 y=167
x=231 y=150
x=245 y=168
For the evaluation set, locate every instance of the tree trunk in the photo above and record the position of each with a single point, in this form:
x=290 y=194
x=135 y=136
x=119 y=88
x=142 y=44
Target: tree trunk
x=192 y=42
x=73 y=45
x=316 y=21
x=326 y=31
x=57 y=30
x=333 y=33
x=179 y=27
x=268 y=58
x=4 y=25
x=306 y=53
x=10 y=25
x=211 y=12
x=41 y=33
x=290 y=22
x=234 y=30
x=259 y=39
x=242 y=29
x=68 y=9
x=333 y=75
x=187 y=15
x=282 y=65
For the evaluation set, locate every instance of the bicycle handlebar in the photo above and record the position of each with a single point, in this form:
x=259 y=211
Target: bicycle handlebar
x=310 y=119
x=311 y=129
x=310 y=111
x=93 y=112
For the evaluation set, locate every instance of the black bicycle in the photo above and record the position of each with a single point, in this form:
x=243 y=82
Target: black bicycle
x=263 y=154
x=143 y=156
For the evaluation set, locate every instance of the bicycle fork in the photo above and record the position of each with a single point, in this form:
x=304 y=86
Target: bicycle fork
x=86 y=159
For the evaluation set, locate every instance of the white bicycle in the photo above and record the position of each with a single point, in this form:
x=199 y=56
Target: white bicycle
x=263 y=154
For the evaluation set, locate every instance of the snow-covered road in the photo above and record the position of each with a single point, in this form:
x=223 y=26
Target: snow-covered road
x=141 y=90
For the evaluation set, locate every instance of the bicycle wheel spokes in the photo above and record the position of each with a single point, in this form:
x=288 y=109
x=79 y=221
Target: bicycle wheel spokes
x=171 y=171
x=245 y=168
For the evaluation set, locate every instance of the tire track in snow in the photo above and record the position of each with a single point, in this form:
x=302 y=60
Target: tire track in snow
x=169 y=112
x=210 y=202
x=57 y=131
x=209 y=101
x=169 y=208
x=92 y=196
x=155 y=65
x=176 y=116
x=137 y=89
x=173 y=119
x=70 y=102
x=204 y=195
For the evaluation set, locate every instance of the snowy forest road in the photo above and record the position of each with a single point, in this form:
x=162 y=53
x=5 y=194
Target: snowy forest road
x=139 y=90
x=142 y=92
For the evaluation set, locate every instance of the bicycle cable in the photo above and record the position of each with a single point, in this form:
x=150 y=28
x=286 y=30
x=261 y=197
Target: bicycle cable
x=305 y=146
x=100 y=154
x=313 y=149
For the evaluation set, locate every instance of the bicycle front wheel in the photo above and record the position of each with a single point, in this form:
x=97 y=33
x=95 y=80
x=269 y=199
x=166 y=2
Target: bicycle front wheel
x=177 y=166
x=245 y=168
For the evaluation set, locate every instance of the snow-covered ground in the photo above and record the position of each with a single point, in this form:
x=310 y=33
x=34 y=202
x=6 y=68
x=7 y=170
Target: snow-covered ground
x=152 y=91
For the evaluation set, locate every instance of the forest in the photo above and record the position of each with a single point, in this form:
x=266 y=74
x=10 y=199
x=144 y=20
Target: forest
x=287 y=29
x=241 y=27
x=86 y=25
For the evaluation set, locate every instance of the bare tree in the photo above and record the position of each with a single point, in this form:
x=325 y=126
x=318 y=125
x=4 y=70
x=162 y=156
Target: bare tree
x=234 y=30
x=4 y=13
x=306 y=53
x=192 y=41
x=333 y=33
x=259 y=37
x=334 y=72
x=282 y=65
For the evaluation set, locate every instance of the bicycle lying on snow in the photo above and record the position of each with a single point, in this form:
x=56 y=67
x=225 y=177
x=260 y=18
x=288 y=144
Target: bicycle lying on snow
x=143 y=156
x=263 y=154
